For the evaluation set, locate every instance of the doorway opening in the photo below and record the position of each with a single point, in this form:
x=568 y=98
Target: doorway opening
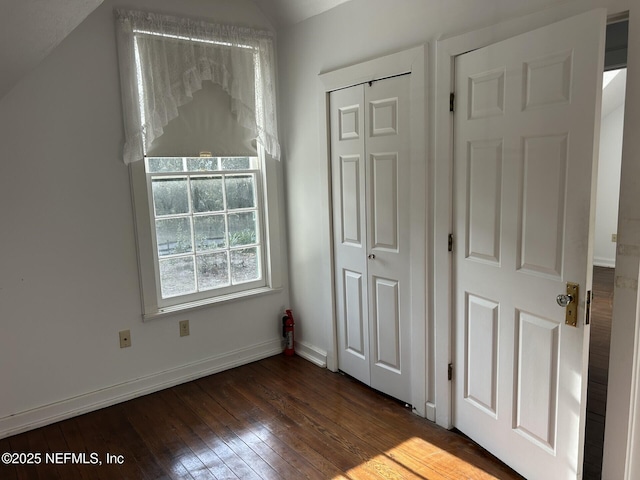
x=604 y=257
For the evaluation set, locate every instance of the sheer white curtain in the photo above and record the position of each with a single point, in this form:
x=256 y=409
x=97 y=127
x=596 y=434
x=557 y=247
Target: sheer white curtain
x=165 y=59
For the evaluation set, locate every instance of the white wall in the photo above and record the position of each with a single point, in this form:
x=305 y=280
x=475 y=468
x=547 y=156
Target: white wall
x=604 y=253
x=68 y=270
x=610 y=161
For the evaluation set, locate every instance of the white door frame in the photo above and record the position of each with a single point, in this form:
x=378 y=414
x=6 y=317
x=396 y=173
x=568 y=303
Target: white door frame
x=408 y=61
x=622 y=428
x=622 y=434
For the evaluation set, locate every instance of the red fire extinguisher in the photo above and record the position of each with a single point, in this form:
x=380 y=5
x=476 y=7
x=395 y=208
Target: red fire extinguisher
x=287 y=332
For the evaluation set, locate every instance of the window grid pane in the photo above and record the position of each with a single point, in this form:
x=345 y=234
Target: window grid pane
x=211 y=232
x=170 y=196
x=213 y=270
x=174 y=236
x=240 y=191
x=245 y=265
x=207 y=194
x=243 y=228
x=177 y=276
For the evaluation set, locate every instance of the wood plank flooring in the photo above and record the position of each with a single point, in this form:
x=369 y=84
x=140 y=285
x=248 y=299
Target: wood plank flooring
x=285 y=418
x=601 y=315
x=280 y=418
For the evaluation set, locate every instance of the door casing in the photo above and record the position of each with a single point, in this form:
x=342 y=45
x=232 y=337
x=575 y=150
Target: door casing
x=407 y=61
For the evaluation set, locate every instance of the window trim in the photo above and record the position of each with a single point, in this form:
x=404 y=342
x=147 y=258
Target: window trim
x=229 y=289
x=270 y=229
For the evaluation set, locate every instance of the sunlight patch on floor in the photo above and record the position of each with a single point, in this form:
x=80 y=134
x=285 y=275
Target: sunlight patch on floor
x=417 y=459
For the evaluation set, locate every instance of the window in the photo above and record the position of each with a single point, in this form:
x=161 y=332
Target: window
x=208 y=230
x=207 y=226
x=207 y=218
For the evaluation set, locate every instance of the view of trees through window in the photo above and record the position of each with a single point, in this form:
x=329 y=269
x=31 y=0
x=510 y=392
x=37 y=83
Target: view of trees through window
x=207 y=222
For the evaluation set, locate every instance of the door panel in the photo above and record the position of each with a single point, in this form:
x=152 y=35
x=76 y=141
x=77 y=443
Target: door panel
x=548 y=80
x=370 y=182
x=388 y=175
x=484 y=208
x=355 y=321
x=384 y=203
x=383 y=118
x=350 y=199
x=349 y=227
x=349 y=122
x=544 y=190
x=481 y=346
x=525 y=130
x=536 y=379
x=486 y=94
x=386 y=323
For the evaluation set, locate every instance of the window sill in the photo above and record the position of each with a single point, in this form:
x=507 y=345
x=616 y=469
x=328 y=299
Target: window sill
x=189 y=306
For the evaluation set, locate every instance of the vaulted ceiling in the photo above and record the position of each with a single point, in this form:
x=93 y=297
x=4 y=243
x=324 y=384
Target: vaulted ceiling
x=30 y=29
x=284 y=13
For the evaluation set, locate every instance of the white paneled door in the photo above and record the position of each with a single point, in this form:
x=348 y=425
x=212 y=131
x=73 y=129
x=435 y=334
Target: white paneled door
x=525 y=130
x=370 y=185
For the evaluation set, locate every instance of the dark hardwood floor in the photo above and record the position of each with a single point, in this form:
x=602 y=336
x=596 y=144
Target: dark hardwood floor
x=285 y=418
x=278 y=418
x=601 y=314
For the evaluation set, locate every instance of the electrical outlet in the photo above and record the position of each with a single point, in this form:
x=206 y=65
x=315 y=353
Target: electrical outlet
x=125 y=339
x=614 y=237
x=184 y=328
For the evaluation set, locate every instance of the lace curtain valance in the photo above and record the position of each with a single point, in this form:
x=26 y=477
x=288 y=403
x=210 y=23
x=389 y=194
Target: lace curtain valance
x=164 y=60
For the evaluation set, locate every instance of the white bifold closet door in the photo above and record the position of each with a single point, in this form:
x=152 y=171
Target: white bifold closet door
x=370 y=185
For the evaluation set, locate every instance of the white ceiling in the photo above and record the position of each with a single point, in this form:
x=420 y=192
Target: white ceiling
x=284 y=13
x=30 y=29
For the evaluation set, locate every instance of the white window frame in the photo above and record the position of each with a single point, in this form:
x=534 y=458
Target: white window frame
x=200 y=295
x=153 y=305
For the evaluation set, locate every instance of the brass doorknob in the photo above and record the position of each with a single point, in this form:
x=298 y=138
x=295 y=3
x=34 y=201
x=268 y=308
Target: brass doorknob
x=564 y=300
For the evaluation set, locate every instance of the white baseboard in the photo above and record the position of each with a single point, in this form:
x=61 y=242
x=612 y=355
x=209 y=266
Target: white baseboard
x=604 y=262
x=311 y=353
x=431 y=411
x=88 y=402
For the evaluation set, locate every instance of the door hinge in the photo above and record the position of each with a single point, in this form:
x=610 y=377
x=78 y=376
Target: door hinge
x=587 y=318
x=452 y=102
x=450 y=371
x=450 y=243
